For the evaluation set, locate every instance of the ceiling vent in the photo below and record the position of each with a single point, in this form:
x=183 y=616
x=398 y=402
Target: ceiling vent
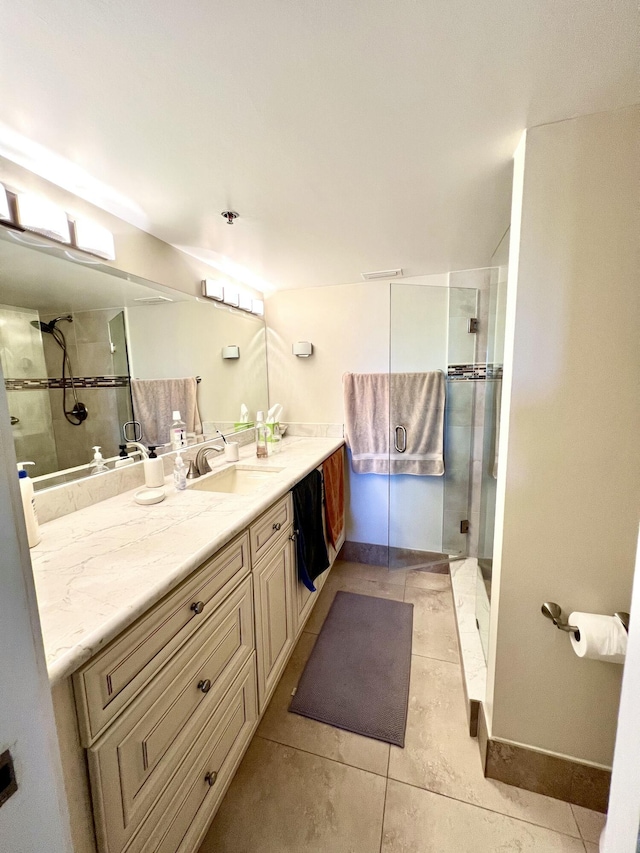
x=367 y=276
x=152 y=300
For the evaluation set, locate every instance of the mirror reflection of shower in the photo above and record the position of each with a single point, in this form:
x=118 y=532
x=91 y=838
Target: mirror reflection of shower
x=78 y=414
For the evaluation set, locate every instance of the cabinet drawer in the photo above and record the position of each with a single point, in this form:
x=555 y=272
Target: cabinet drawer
x=135 y=759
x=269 y=528
x=187 y=805
x=112 y=678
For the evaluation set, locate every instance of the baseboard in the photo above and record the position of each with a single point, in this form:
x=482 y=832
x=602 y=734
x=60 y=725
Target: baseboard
x=551 y=775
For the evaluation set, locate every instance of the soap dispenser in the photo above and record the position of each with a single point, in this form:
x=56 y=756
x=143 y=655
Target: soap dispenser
x=98 y=466
x=28 y=504
x=153 y=470
x=178 y=432
x=124 y=458
x=262 y=446
x=180 y=472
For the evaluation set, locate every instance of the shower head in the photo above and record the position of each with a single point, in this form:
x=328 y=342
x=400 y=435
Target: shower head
x=47 y=328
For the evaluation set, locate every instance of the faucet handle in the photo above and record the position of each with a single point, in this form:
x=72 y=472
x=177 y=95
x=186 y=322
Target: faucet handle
x=193 y=472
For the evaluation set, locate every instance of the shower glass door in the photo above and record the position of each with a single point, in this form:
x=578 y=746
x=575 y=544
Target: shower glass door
x=429 y=512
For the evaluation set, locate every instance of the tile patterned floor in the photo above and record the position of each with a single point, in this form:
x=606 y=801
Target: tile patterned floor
x=305 y=786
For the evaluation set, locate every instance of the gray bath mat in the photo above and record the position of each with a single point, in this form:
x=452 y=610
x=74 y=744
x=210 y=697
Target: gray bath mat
x=357 y=677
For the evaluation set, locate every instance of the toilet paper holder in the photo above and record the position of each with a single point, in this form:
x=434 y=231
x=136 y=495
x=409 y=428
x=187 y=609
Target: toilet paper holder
x=553 y=612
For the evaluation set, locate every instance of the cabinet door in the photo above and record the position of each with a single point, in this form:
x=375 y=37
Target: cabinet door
x=274 y=609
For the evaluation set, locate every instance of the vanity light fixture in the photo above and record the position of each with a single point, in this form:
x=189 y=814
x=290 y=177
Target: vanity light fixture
x=5 y=210
x=94 y=238
x=257 y=307
x=230 y=296
x=213 y=289
x=245 y=302
x=231 y=352
x=303 y=349
x=27 y=211
x=38 y=214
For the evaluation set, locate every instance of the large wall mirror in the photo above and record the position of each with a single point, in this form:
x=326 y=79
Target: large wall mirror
x=79 y=342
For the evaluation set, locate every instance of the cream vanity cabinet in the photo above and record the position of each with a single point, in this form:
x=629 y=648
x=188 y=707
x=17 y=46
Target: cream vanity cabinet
x=167 y=709
x=274 y=589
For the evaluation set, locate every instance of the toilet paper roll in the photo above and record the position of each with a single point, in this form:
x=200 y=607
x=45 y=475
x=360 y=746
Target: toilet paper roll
x=601 y=637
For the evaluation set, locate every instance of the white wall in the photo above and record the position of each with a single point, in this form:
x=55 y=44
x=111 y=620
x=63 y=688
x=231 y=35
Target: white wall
x=419 y=335
x=569 y=479
x=35 y=817
x=349 y=326
x=186 y=338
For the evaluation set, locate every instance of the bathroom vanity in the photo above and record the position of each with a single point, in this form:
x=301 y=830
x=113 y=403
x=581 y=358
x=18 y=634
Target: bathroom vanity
x=159 y=687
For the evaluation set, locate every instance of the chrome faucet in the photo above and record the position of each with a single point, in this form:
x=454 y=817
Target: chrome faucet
x=202 y=465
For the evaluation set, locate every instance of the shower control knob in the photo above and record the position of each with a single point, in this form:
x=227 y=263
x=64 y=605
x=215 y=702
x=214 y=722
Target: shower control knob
x=204 y=685
x=197 y=607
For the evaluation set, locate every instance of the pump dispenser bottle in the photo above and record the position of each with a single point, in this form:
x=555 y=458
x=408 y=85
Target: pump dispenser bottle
x=98 y=466
x=178 y=432
x=153 y=470
x=28 y=504
x=179 y=472
x=261 y=437
x=124 y=458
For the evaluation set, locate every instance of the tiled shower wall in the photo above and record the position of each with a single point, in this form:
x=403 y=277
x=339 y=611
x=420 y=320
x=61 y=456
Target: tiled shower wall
x=22 y=358
x=89 y=348
x=32 y=368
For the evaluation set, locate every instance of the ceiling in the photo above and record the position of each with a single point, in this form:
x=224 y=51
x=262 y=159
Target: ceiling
x=350 y=136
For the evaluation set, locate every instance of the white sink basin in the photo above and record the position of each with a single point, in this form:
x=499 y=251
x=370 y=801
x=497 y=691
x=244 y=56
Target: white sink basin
x=236 y=480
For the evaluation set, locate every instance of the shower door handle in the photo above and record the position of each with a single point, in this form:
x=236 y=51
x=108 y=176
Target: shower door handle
x=400 y=432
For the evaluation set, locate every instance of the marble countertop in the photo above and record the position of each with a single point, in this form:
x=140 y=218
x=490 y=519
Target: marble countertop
x=97 y=570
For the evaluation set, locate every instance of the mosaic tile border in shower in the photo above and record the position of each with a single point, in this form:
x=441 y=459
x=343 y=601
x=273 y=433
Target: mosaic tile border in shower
x=476 y=371
x=58 y=383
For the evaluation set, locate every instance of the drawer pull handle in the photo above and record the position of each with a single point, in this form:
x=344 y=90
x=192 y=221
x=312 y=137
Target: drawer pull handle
x=277 y=526
x=294 y=536
x=210 y=778
x=197 y=607
x=204 y=685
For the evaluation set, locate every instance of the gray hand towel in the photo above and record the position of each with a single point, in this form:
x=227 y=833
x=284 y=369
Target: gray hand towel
x=155 y=400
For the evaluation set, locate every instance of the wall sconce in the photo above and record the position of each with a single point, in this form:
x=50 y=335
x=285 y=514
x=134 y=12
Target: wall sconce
x=212 y=289
x=94 y=238
x=231 y=352
x=42 y=216
x=303 y=349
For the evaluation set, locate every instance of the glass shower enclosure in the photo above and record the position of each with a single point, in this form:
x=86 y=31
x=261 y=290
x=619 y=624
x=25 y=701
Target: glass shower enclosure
x=431 y=330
